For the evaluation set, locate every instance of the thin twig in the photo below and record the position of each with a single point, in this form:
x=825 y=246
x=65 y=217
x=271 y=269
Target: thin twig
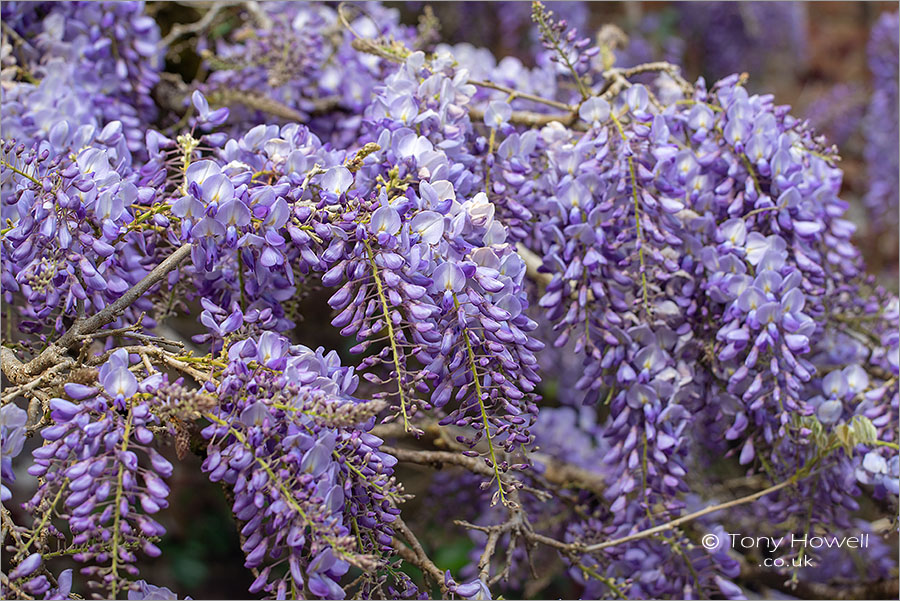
x=523 y=95
x=179 y=29
x=531 y=119
x=258 y=14
x=420 y=558
x=688 y=518
x=20 y=390
x=439 y=458
x=18 y=373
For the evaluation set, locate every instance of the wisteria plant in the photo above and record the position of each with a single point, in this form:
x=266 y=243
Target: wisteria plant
x=606 y=320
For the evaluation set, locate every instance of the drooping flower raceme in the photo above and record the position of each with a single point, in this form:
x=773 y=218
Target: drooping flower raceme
x=12 y=438
x=92 y=473
x=882 y=123
x=293 y=446
x=586 y=296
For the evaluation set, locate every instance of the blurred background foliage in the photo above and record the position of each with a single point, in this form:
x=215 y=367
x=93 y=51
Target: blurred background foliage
x=812 y=56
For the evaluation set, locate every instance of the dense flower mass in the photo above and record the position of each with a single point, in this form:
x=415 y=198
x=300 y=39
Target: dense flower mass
x=83 y=63
x=745 y=36
x=882 y=154
x=92 y=478
x=294 y=448
x=618 y=310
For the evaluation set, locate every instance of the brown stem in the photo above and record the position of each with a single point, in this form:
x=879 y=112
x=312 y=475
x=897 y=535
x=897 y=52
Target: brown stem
x=19 y=373
x=530 y=119
x=687 y=518
x=417 y=555
x=523 y=95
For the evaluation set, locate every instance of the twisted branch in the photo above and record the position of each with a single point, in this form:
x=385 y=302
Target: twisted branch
x=20 y=373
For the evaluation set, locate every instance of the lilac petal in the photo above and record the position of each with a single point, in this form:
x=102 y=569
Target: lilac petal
x=830 y=412
x=62 y=410
x=325 y=588
x=874 y=463
x=337 y=180
x=497 y=113
x=65 y=583
x=594 y=110
x=79 y=392
x=835 y=384
x=27 y=567
x=217 y=189
x=429 y=225
x=385 y=220
x=233 y=213
x=747 y=452
x=316 y=460
x=797 y=343
x=807 y=228
x=728 y=588
x=448 y=276
x=200 y=103
x=200 y=171
x=120 y=382
x=156 y=486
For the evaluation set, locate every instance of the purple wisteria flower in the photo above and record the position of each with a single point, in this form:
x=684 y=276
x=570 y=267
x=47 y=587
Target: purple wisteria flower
x=146 y=592
x=291 y=433
x=92 y=476
x=12 y=439
x=574 y=298
x=881 y=125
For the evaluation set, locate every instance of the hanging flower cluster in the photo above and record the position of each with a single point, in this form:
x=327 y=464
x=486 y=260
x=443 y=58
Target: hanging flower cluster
x=583 y=294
